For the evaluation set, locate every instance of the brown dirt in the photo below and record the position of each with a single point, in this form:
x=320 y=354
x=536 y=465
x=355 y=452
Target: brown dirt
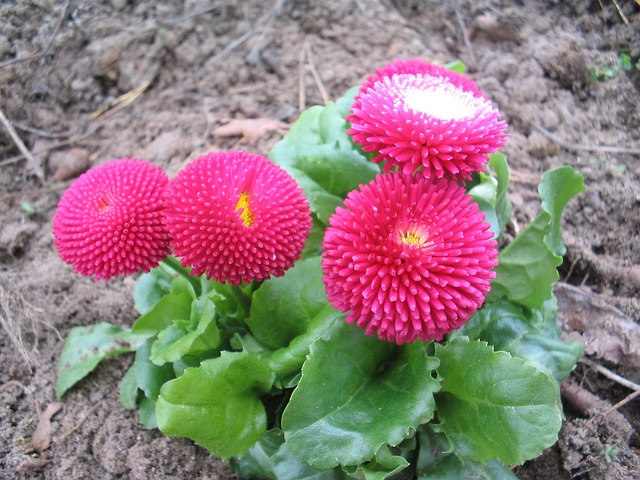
x=61 y=61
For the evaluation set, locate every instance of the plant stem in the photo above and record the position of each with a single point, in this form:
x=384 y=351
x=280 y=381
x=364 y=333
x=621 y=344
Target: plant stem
x=173 y=264
x=243 y=298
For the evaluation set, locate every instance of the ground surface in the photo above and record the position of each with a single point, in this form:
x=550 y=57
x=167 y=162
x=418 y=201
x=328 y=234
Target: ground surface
x=188 y=68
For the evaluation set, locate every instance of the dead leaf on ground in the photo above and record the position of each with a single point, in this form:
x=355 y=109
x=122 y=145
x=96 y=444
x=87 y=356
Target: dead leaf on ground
x=41 y=438
x=250 y=129
x=33 y=464
x=605 y=331
x=69 y=164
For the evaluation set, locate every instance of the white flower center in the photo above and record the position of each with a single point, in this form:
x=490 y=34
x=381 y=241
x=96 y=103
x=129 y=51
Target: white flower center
x=444 y=101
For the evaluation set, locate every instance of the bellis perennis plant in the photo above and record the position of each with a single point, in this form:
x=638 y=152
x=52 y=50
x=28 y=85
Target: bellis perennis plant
x=347 y=307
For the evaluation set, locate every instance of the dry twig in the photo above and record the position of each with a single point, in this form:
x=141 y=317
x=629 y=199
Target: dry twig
x=574 y=147
x=315 y=74
x=35 y=55
x=32 y=165
x=11 y=302
x=465 y=35
x=622 y=15
x=121 y=102
x=302 y=97
x=253 y=57
x=610 y=375
x=70 y=141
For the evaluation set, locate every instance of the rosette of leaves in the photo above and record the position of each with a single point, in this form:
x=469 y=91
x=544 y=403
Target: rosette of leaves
x=270 y=376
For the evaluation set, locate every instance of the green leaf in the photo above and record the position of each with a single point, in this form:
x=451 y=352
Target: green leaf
x=217 y=404
x=147 y=413
x=269 y=458
x=164 y=312
x=494 y=406
x=529 y=334
x=356 y=394
x=86 y=347
x=319 y=154
x=528 y=265
x=313 y=245
x=129 y=389
x=150 y=288
x=456 y=66
x=283 y=307
x=436 y=462
x=345 y=102
x=384 y=465
x=287 y=361
x=257 y=462
x=556 y=189
x=489 y=191
x=191 y=337
x=149 y=376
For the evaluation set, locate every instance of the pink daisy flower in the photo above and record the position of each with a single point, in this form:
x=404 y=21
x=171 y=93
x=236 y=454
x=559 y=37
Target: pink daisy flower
x=110 y=220
x=420 y=117
x=408 y=257
x=416 y=66
x=237 y=217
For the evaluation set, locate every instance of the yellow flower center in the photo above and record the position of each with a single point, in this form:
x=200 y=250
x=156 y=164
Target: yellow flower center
x=413 y=238
x=245 y=212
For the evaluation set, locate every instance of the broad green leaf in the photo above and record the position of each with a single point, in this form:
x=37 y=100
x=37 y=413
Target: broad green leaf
x=269 y=458
x=150 y=288
x=164 y=312
x=321 y=202
x=436 y=462
x=182 y=286
x=528 y=265
x=129 y=389
x=556 y=189
x=385 y=465
x=489 y=191
x=313 y=245
x=192 y=337
x=286 y=466
x=287 y=361
x=147 y=413
x=456 y=66
x=356 y=394
x=86 y=347
x=345 y=102
x=149 y=376
x=498 y=163
x=319 y=154
x=217 y=404
x=529 y=334
x=493 y=406
x=257 y=462
x=282 y=308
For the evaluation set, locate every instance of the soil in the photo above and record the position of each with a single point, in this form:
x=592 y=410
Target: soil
x=171 y=73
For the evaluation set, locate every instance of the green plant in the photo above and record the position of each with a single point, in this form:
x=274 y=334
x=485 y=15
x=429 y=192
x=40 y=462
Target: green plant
x=608 y=70
x=270 y=375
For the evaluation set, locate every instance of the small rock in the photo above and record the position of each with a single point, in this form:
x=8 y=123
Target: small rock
x=497 y=29
x=69 y=164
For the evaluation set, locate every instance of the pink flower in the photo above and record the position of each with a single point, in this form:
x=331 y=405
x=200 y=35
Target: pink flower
x=110 y=220
x=421 y=117
x=416 y=66
x=408 y=257
x=237 y=217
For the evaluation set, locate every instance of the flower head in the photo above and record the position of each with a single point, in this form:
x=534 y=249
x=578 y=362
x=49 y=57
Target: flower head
x=416 y=66
x=419 y=116
x=237 y=217
x=110 y=220
x=408 y=257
